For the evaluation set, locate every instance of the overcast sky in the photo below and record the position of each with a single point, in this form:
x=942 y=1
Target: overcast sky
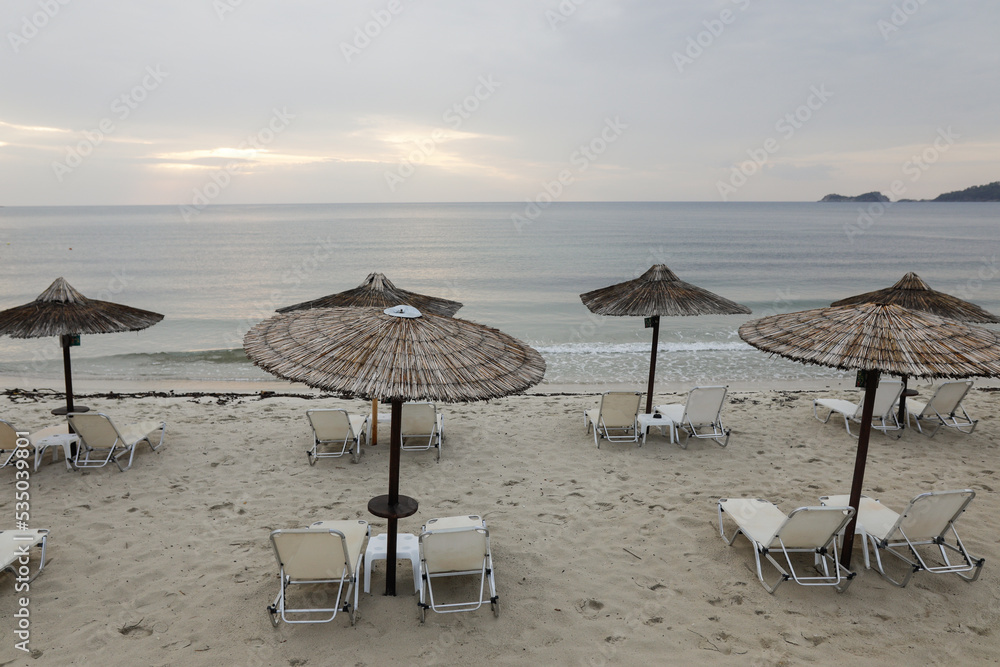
x=300 y=101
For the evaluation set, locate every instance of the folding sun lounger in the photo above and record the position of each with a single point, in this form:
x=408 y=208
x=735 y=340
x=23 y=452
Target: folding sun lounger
x=15 y=544
x=912 y=535
x=943 y=408
x=338 y=428
x=886 y=399
x=421 y=428
x=102 y=442
x=810 y=530
x=703 y=410
x=456 y=546
x=327 y=552
x=615 y=417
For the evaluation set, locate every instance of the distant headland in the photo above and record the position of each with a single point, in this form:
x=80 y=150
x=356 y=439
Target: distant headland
x=988 y=192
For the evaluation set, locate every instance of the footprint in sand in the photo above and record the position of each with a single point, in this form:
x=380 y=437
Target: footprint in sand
x=590 y=607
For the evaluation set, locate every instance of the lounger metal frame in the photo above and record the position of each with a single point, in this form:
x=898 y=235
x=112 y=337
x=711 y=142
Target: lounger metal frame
x=435 y=436
x=855 y=416
x=16 y=541
x=485 y=571
x=909 y=550
x=351 y=442
x=690 y=425
x=951 y=419
x=118 y=448
x=617 y=433
x=825 y=555
x=348 y=576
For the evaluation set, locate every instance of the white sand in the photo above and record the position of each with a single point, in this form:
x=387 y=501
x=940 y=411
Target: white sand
x=603 y=556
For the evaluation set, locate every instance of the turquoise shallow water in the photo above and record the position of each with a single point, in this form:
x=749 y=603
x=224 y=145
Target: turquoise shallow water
x=231 y=266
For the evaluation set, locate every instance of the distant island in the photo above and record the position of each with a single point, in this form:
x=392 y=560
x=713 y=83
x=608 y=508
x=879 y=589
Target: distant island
x=866 y=197
x=988 y=192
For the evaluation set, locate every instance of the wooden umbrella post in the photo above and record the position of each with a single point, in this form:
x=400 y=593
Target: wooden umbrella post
x=393 y=506
x=65 y=339
x=652 y=364
x=374 y=440
x=871 y=386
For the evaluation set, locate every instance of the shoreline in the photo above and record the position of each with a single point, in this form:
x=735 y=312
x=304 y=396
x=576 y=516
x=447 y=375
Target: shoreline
x=125 y=388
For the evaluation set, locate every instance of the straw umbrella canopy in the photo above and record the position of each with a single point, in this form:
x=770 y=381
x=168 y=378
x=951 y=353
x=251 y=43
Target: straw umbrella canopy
x=398 y=355
x=876 y=338
x=62 y=311
x=655 y=293
x=913 y=293
x=379 y=292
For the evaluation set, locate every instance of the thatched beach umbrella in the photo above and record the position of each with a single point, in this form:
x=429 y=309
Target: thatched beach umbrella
x=658 y=292
x=913 y=293
x=377 y=291
x=876 y=338
x=62 y=311
x=397 y=355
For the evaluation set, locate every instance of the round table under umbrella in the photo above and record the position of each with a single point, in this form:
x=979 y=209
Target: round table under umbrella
x=62 y=311
x=398 y=355
x=912 y=292
x=655 y=293
x=377 y=291
x=876 y=338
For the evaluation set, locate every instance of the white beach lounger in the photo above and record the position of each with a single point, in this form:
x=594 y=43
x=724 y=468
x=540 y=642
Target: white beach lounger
x=327 y=552
x=886 y=399
x=102 y=442
x=913 y=534
x=15 y=546
x=456 y=546
x=703 y=410
x=615 y=417
x=421 y=427
x=811 y=530
x=338 y=428
x=943 y=408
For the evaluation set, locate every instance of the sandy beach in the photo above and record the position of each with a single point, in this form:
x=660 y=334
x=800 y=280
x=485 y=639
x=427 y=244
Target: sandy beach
x=602 y=556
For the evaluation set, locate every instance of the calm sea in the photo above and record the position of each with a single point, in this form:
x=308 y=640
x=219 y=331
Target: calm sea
x=228 y=267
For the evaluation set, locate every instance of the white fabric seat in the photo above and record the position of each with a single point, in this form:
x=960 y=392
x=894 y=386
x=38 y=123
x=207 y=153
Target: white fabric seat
x=700 y=416
x=327 y=552
x=886 y=399
x=102 y=442
x=338 y=428
x=914 y=534
x=421 y=428
x=15 y=544
x=615 y=418
x=811 y=530
x=456 y=546
x=943 y=408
